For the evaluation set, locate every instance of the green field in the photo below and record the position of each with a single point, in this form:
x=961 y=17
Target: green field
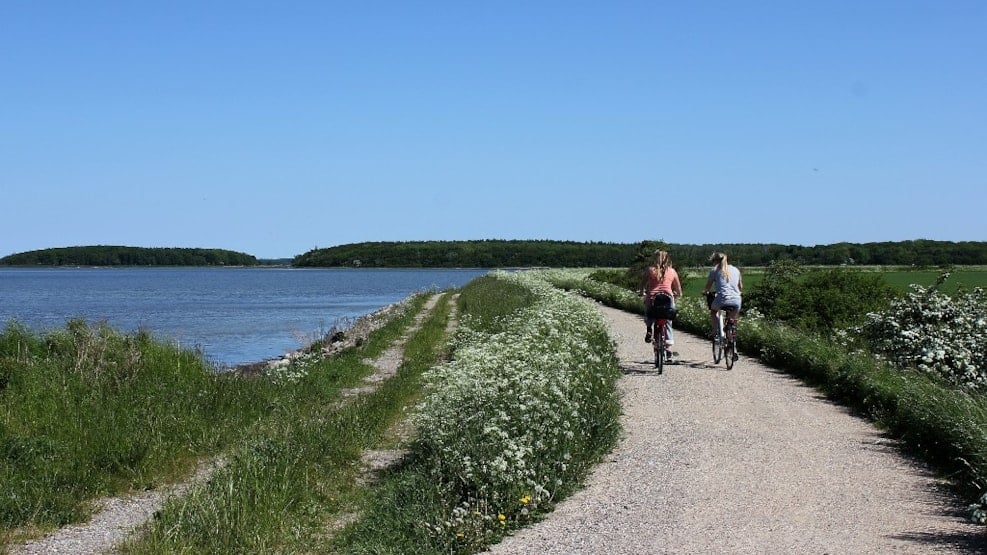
x=965 y=278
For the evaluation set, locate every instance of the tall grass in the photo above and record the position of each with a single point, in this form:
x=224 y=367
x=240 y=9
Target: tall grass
x=295 y=472
x=87 y=411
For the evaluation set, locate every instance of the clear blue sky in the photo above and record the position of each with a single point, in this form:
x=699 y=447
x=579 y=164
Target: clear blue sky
x=276 y=127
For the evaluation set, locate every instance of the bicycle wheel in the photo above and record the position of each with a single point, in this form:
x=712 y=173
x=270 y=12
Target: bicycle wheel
x=730 y=353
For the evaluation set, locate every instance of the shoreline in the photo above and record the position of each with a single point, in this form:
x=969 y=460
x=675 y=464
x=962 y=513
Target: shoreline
x=343 y=334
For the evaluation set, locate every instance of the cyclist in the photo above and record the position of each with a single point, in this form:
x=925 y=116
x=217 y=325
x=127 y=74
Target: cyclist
x=725 y=279
x=660 y=278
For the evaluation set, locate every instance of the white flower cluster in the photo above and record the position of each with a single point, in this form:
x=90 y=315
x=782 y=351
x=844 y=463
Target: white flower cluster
x=935 y=333
x=291 y=369
x=505 y=420
x=978 y=511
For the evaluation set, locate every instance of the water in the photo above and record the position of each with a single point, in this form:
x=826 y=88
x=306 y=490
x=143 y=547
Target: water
x=234 y=315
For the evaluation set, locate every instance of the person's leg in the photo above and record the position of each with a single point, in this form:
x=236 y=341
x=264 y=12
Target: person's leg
x=669 y=334
x=669 y=341
x=714 y=323
x=734 y=314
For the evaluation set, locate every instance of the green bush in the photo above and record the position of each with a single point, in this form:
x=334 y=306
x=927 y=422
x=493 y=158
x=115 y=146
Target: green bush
x=621 y=278
x=778 y=277
x=821 y=301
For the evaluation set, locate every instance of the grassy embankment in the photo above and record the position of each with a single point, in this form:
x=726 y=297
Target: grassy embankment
x=88 y=412
x=944 y=425
x=294 y=476
x=509 y=426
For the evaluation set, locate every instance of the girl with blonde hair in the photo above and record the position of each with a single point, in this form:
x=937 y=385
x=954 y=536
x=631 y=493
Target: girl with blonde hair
x=660 y=278
x=724 y=278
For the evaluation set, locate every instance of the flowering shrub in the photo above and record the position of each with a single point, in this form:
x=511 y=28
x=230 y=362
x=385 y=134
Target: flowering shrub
x=933 y=332
x=515 y=420
x=978 y=510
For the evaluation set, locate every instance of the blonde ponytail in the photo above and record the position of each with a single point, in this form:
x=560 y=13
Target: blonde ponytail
x=720 y=259
x=663 y=261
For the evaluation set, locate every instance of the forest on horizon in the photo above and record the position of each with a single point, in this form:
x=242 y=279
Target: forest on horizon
x=571 y=254
x=102 y=255
x=497 y=253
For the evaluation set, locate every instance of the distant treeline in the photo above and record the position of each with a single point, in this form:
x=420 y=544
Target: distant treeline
x=129 y=256
x=469 y=254
x=920 y=252
x=495 y=253
x=569 y=254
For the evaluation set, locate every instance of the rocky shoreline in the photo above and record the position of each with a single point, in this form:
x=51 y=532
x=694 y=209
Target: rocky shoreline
x=344 y=334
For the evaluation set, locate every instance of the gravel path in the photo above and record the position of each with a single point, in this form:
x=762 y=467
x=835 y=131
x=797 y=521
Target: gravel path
x=744 y=461
x=114 y=522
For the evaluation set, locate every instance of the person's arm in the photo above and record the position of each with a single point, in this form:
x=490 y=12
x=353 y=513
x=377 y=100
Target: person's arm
x=709 y=284
x=677 y=286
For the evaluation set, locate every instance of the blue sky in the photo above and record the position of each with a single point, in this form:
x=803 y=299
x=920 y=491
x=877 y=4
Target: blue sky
x=276 y=127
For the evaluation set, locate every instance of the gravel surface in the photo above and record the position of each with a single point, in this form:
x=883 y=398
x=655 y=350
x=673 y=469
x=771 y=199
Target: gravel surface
x=744 y=461
x=114 y=522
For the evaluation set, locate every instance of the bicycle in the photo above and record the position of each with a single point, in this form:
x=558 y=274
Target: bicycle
x=725 y=340
x=663 y=312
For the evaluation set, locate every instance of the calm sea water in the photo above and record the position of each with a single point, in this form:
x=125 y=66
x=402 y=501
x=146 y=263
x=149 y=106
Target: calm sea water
x=234 y=315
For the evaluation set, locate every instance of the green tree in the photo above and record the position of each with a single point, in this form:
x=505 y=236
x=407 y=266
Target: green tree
x=780 y=276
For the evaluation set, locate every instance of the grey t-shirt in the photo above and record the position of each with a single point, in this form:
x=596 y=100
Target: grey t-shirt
x=727 y=291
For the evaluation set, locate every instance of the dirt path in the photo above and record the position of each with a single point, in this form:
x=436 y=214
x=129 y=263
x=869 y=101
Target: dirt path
x=744 y=461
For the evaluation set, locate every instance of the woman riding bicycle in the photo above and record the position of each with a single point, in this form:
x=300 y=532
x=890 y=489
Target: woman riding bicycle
x=660 y=278
x=725 y=278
